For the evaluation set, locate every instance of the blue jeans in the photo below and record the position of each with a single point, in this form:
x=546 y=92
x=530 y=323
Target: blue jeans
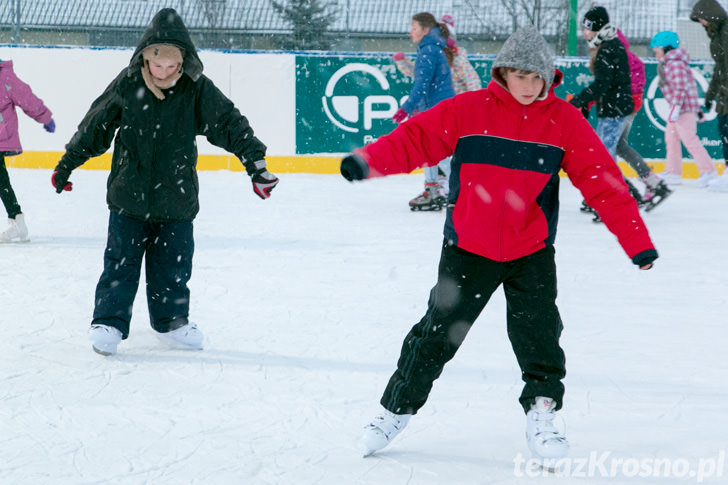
x=431 y=172
x=609 y=130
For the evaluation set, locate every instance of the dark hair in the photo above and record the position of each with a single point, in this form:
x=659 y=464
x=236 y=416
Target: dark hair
x=428 y=21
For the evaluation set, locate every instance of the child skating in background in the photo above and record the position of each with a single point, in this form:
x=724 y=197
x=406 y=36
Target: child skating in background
x=711 y=15
x=681 y=93
x=656 y=191
x=153 y=111
x=611 y=89
x=16 y=93
x=464 y=78
x=432 y=84
x=509 y=143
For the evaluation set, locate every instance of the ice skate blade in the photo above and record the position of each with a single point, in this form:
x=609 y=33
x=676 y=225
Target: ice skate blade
x=428 y=208
x=102 y=352
x=23 y=241
x=652 y=204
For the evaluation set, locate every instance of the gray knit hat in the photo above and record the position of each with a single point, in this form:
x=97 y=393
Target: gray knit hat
x=526 y=50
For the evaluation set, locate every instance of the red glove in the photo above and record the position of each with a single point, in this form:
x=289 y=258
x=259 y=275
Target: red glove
x=398 y=56
x=399 y=116
x=263 y=183
x=61 y=183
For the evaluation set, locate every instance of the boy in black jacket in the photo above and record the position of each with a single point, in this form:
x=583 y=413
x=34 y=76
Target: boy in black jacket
x=153 y=111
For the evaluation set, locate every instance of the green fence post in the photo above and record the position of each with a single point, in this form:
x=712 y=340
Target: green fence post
x=573 y=22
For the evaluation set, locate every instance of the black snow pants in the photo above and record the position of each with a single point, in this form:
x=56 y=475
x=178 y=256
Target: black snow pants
x=465 y=283
x=167 y=250
x=6 y=191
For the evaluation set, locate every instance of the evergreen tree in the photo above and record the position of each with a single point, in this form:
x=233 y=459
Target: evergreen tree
x=310 y=19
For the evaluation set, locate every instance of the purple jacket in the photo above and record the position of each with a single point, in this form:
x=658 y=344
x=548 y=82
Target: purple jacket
x=14 y=92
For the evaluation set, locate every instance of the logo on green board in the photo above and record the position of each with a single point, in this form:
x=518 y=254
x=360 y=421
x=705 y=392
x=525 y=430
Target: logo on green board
x=355 y=111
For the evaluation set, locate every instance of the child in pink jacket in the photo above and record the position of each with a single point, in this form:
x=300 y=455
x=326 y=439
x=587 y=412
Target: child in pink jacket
x=14 y=92
x=678 y=86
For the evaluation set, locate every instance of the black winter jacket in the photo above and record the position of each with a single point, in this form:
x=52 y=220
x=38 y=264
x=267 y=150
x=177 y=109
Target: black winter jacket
x=612 y=86
x=717 y=31
x=153 y=169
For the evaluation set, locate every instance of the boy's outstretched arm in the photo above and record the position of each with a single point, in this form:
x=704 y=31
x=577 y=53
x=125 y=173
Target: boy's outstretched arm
x=425 y=139
x=592 y=170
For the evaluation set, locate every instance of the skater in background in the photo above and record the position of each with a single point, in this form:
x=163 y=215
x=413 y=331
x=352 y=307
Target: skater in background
x=464 y=76
x=15 y=92
x=612 y=86
x=655 y=188
x=153 y=110
x=509 y=142
x=432 y=84
x=713 y=18
x=681 y=93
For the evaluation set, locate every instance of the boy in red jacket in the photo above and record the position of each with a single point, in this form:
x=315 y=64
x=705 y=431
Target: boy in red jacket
x=508 y=143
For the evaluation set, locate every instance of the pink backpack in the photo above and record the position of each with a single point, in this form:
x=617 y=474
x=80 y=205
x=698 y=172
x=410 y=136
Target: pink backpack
x=636 y=67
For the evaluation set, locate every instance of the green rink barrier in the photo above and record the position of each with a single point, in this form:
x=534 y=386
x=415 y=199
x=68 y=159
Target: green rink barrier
x=344 y=102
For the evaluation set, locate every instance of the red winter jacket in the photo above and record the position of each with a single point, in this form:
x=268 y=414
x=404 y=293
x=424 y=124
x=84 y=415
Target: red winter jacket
x=503 y=201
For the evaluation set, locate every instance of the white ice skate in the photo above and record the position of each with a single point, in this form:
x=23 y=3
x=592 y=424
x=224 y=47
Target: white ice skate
x=17 y=232
x=187 y=336
x=382 y=430
x=544 y=439
x=719 y=184
x=671 y=178
x=706 y=179
x=104 y=339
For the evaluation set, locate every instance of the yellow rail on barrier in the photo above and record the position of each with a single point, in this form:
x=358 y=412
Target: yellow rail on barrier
x=323 y=164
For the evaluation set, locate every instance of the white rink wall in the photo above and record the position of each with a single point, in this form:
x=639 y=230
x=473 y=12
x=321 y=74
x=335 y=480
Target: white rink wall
x=68 y=79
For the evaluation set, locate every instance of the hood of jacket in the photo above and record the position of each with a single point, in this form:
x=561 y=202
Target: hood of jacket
x=623 y=38
x=434 y=38
x=711 y=11
x=167 y=27
x=526 y=50
x=677 y=55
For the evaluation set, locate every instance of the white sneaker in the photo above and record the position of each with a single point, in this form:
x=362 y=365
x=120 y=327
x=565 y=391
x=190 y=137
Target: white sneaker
x=671 y=178
x=188 y=336
x=705 y=179
x=104 y=339
x=382 y=430
x=719 y=184
x=544 y=439
x=17 y=232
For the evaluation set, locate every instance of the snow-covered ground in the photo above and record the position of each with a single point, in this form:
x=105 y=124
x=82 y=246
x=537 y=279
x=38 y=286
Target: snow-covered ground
x=305 y=299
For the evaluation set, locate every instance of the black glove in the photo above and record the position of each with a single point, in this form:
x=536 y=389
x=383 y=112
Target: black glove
x=708 y=105
x=645 y=258
x=263 y=181
x=354 y=167
x=60 y=182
